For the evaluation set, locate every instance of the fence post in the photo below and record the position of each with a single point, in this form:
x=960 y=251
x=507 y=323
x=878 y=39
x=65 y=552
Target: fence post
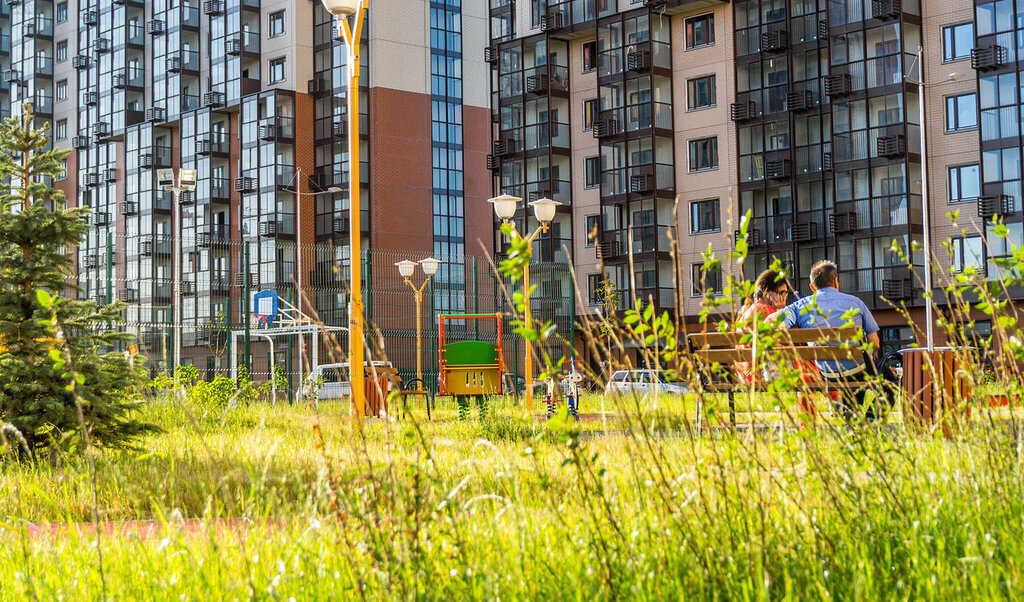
x=247 y=280
x=476 y=297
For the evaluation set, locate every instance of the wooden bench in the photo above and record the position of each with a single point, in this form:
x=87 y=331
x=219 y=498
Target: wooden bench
x=715 y=356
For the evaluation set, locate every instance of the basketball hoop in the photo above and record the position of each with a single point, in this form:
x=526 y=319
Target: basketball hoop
x=257 y=320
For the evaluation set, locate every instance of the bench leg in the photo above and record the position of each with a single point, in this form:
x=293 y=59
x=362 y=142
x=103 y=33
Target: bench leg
x=732 y=411
x=699 y=420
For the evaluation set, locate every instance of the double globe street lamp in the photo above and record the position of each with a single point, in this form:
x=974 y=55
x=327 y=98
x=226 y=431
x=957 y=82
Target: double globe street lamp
x=505 y=207
x=406 y=269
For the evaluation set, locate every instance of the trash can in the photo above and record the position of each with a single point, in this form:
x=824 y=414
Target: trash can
x=937 y=389
x=377 y=384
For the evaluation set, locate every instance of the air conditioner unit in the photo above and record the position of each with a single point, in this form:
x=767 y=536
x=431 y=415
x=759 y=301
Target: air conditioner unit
x=339 y=129
x=110 y=174
x=233 y=46
x=100 y=129
x=604 y=128
x=892 y=146
x=551 y=22
x=775 y=41
x=80 y=142
x=129 y=295
x=990 y=206
x=12 y=75
x=245 y=184
x=493 y=163
x=90 y=98
x=101 y=45
x=81 y=61
x=804 y=232
x=268 y=228
x=90 y=17
x=988 y=57
x=268 y=132
x=213 y=99
x=92 y=179
x=129 y=208
x=838 y=84
x=156 y=114
x=641 y=182
x=187 y=197
x=155 y=27
x=638 y=60
x=213 y=7
x=93 y=261
x=99 y=219
x=886 y=9
x=173 y=63
x=490 y=54
x=781 y=169
x=743 y=111
x=187 y=288
x=204 y=147
x=801 y=100
x=119 y=81
x=843 y=223
x=341 y=225
x=537 y=84
x=146 y=160
x=898 y=289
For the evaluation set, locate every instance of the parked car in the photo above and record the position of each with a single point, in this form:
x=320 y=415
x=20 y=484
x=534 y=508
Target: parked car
x=643 y=381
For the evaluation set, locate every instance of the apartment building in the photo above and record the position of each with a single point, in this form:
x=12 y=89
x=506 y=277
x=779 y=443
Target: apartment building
x=649 y=115
x=253 y=95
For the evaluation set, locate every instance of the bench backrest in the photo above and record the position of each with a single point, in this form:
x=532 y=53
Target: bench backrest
x=724 y=348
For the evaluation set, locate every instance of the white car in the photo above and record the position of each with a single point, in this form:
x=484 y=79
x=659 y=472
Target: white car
x=643 y=381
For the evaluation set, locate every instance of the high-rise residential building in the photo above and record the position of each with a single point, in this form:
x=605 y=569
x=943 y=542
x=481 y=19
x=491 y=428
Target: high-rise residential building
x=253 y=95
x=646 y=116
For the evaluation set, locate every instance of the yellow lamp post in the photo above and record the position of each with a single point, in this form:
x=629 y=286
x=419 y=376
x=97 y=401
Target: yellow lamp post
x=505 y=207
x=406 y=269
x=352 y=34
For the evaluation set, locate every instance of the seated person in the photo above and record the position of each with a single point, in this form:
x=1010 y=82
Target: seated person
x=829 y=308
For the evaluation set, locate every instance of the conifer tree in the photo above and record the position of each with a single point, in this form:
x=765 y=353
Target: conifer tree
x=38 y=234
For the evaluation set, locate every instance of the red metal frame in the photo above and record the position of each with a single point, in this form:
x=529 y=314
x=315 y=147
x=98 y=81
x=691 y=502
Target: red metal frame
x=442 y=385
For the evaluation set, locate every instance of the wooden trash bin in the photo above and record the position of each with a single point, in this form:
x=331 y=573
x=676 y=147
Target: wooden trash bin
x=936 y=392
x=377 y=381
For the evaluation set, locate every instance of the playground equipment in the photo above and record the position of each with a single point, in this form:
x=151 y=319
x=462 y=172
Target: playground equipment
x=469 y=368
x=567 y=387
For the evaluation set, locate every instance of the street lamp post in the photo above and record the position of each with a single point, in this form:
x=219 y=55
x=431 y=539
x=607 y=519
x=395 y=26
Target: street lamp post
x=925 y=209
x=505 y=207
x=342 y=10
x=186 y=182
x=406 y=269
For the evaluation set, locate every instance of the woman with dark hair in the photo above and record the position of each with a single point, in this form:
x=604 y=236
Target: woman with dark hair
x=771 y=293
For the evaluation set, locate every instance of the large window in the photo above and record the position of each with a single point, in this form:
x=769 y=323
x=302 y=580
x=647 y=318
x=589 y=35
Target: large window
x=62 y=51
x=276 y=24
x=700 y=31
x=706 y=281
x=590 y=108
x=964 y=183
x=968 y=252
x=62 y=12
x=593 y=171
x=589 y=56
x=60 y=129
x=961 y=112
x=277 y=70
x=957 y=41
x=593 y=228
x=700 y=92
x=704 y=216
x=61 y=92
x=704 y=154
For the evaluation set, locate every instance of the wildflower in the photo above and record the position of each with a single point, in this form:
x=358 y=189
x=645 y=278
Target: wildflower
x=454 y=573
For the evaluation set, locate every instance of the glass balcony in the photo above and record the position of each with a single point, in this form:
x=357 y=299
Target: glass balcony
x=44 y=65
x=136 y=34
x=189 y=102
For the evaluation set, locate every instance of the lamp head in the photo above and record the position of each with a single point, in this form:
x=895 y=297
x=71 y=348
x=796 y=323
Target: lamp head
x=335 y=189
x=505 y=206
x=544 y=210
x=406 y=268
x=429 y=266
x=341 y=8
x=187 y=178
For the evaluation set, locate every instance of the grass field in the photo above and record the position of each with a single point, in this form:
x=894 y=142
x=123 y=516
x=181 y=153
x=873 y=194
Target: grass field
x=507 y=507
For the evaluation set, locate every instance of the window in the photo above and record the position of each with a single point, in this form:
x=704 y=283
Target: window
x=592 y=167
x=276 y=24
x=706 y=281
x=961 y=112
x=62 y=51
x=700 y=92
x=277 y=70
x=704 y=217
x=968 y=253
x=700 y=31
x=593 y=228
x=594 y=288
x=537 y=8
x=63 y=175
x=957 y=41
x=704 y=154
x=62 y=12
x=589 y=56
x=964 y=183
x=590 y=107
x=60 y=130
x=62 y=90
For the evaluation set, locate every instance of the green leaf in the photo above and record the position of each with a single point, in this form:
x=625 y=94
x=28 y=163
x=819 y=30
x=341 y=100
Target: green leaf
x=44 y=298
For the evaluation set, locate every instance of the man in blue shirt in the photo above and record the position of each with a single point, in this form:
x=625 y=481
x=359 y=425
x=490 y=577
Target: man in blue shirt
x=829 y=308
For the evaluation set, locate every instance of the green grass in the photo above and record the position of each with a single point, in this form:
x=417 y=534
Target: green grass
x=510 y=507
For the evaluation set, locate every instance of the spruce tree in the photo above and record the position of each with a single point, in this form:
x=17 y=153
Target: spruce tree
x=38 y=234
